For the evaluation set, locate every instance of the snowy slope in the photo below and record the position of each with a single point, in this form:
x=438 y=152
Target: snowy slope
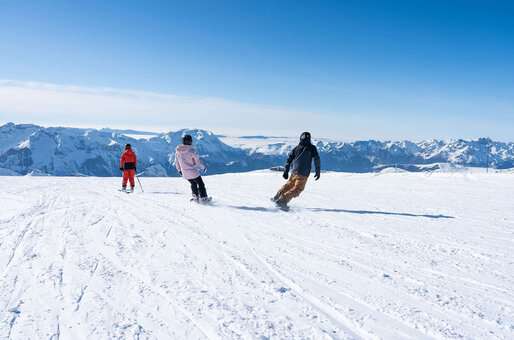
x=393 y=256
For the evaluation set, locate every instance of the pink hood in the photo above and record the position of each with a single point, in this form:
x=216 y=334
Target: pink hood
x=188 y=162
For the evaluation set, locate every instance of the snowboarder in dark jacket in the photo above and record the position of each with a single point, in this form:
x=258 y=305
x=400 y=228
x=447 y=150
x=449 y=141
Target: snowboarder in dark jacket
x=299 y=162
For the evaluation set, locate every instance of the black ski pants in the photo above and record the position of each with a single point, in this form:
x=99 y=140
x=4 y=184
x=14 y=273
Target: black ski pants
x=198 y=187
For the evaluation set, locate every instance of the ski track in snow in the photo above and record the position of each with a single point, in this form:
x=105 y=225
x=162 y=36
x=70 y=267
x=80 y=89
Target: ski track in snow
x=395 y=256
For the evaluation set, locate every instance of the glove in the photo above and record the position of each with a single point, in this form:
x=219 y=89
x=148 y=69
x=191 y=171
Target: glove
x=204 y=171
x=180 y=173
x=135 y=169
x=316 y=177
x=285 y=174
x=121 y=169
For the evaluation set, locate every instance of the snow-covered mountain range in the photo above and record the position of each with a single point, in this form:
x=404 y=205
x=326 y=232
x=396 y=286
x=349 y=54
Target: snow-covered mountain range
x=31 y=149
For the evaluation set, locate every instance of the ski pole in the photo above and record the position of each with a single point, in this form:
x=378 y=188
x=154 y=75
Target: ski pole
x=139 y=184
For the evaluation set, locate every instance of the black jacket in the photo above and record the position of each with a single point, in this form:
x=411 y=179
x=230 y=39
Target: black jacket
x=300 y=159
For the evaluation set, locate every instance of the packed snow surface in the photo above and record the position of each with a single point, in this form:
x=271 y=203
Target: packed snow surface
x=393 y=256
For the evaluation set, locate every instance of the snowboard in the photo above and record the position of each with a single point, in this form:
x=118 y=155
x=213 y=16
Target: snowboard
x=283 y=207
x=279 y=206
x=206 y=201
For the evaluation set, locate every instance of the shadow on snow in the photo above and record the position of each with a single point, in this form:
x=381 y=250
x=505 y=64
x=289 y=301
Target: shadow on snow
x=243 y=207
x=164 y=192
x=346 y=211
x=370 y=212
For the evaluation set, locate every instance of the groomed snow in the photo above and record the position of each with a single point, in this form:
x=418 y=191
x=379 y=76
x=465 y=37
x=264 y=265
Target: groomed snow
x=393 y=256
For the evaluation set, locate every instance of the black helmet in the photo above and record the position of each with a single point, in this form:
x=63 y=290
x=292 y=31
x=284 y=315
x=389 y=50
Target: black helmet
x=187 y=140
x=128 y=146
x=305 y=137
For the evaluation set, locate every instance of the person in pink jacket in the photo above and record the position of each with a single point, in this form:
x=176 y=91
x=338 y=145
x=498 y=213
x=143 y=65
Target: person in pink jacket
x=190 y=166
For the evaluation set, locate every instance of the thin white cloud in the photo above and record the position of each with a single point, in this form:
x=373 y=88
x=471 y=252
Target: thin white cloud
x=46 y=103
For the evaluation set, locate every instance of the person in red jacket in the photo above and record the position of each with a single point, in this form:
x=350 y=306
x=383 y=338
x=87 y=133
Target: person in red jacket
x=128 y=164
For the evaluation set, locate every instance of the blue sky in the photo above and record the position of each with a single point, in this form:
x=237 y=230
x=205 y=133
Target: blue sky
x=343 y=69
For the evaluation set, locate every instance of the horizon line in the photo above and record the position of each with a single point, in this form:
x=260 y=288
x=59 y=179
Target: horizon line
x=256 y=136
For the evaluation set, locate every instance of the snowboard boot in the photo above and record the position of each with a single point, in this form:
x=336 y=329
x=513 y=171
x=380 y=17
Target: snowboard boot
x=195 y=198
x=205 y=199
x=131 y=189
x=282 y=205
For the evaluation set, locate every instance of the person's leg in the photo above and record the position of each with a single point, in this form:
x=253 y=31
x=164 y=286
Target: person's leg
x=201 y=187
x=132 y=173
x=295 y=190
x=194 y=187
x=286 y=187
x=125 y=179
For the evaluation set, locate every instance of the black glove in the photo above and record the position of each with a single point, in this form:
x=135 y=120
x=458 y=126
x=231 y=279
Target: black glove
x=121 y=169
x=180 y=173
x=316 y=176
x=286 y=174
x=135 y=169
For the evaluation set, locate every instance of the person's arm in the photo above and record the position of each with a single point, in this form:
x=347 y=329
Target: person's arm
x=135 y=162
x=317 y=162
x=198 y=162
x=122 y=161
x=177 y=164
x=290 y=159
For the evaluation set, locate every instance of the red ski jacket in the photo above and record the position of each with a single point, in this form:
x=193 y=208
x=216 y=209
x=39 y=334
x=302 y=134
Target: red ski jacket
x=128 y=160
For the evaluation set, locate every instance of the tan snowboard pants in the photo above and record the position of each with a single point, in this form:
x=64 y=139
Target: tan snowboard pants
x=293 y=188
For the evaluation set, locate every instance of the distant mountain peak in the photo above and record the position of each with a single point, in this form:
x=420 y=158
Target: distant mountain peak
x=28 y=148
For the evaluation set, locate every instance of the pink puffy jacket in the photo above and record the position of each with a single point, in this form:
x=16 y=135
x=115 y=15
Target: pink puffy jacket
x=188 y=162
